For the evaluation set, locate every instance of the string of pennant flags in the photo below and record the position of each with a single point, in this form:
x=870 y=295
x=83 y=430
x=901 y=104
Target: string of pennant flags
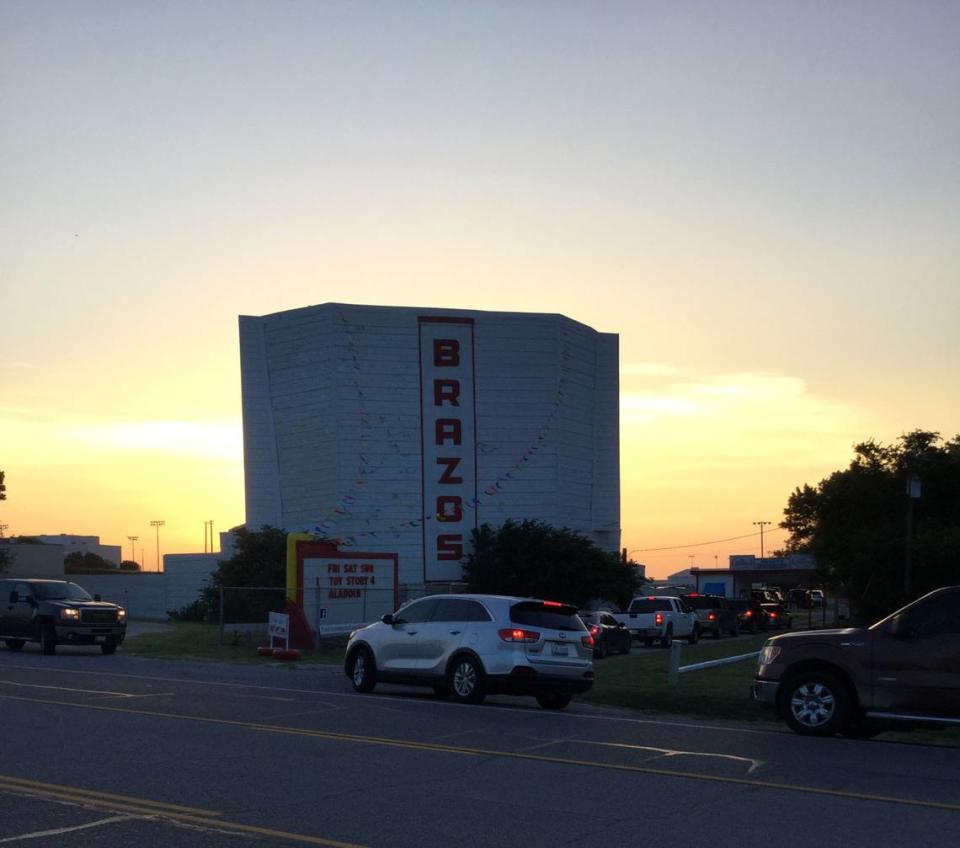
x=327 y=527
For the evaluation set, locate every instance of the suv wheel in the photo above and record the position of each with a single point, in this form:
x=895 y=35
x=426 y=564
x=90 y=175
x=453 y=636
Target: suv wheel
x=554 y=700
x=15 y=644
x=363 y=670
x=815 y=703
x=466 y=681
x=48 y=638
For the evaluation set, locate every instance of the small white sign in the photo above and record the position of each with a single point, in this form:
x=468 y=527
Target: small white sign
x=278 y=625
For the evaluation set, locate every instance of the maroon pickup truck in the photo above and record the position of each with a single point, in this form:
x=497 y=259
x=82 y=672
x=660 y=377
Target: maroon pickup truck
x=857 y=681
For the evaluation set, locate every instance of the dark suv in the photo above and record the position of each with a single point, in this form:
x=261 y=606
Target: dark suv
x=54 y=612
x=715 y=614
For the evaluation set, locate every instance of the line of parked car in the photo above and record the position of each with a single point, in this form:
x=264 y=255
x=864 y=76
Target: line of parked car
x=662 y=618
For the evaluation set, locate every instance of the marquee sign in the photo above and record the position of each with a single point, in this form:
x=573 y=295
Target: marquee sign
x=448 y=444
x=336 y=590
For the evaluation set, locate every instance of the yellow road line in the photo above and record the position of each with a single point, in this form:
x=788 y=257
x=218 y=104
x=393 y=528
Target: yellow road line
x=23 y=783
x=515 y=755
x=145 y=808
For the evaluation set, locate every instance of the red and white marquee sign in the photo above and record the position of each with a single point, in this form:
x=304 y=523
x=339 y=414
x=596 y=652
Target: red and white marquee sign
x=449 y=444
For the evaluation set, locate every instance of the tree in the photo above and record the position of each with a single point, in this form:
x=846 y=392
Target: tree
x=855 y=522
x=84 y=562
x=129 y=565
x=531 y=558
x=259 y=560
x=3 y=487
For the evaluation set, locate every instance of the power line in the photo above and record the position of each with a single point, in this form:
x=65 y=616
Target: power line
x=694 y=545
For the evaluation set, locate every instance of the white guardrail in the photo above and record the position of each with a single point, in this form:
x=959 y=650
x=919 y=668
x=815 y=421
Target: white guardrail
x=674 y=669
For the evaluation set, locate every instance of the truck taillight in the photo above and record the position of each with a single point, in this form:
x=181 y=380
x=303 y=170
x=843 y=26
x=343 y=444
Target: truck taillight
x=658 y=619
x=711 y=616
x=510 y=634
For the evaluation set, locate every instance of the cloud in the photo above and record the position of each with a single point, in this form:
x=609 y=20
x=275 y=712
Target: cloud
x=723 y=419
x=207 y=439
x=648 y=369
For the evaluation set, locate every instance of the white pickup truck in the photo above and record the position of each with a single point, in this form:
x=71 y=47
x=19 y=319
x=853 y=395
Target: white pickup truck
x=660 y=617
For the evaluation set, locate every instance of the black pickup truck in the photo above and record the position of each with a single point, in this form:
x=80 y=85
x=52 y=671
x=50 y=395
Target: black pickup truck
x=54 y=612
x=904 y=669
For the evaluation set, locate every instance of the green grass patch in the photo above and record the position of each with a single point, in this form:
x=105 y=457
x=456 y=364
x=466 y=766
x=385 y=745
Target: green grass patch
x=193 y=641
x=639 y=681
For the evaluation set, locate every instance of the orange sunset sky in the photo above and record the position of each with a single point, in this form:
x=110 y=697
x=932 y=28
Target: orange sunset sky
x=763 y=200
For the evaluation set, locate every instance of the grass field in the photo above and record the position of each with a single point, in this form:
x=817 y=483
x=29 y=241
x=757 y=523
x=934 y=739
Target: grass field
x=639 y=681
x=193 y=641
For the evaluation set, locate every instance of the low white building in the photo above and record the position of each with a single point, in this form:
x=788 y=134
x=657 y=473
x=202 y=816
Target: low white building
x=83 y=545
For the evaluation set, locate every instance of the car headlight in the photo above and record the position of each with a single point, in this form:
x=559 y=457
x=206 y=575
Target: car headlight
x=70 y=614
x=768 y=654
x=121 y=614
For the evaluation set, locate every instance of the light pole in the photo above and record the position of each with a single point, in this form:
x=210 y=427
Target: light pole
x=158 y=525
x=133 y=551
x=207 y=524
x=761 y=524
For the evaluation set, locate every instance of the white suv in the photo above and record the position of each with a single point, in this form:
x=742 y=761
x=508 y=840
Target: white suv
x=466 y=646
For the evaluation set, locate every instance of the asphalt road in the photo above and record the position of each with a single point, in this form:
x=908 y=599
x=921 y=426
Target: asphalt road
x=111 y=751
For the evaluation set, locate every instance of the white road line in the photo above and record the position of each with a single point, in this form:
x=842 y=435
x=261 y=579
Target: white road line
x=672 y=752
x=40 y=834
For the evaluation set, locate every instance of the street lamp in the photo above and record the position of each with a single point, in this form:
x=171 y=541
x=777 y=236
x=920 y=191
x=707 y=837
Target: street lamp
x=158 y=525
x=133 y=551
x=761 y=524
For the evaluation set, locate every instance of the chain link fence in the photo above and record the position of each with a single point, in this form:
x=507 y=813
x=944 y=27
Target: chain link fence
x=244 y=610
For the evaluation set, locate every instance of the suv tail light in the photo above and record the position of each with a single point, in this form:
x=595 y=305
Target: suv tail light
x=711 y=616
x=513 y=634
x=658 y=619
x=748 y=614
x=594 y=630
x=587 y=641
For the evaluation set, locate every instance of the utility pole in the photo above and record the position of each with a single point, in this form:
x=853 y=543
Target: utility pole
x=761 y=524
x=913 y=493
x=158 y=525
x=133 y=552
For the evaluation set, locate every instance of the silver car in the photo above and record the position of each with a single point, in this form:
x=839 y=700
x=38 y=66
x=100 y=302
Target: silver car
x=469 y=646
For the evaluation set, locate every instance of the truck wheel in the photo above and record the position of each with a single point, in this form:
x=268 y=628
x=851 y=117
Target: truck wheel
x=815 y=703
x=716 y=633
x=694 y=635
x=15 y=644
x=667 y=639
x=48 y=638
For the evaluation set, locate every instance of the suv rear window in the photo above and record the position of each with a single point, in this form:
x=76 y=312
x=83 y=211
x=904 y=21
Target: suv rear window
x=538 y=614
x=650 y=605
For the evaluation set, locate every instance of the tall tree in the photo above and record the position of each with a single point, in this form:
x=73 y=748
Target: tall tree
x=259 y=562
x=530 y=558
x=863 y=527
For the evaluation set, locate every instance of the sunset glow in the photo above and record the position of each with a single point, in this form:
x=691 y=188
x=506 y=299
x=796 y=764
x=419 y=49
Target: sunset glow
x=764 y=206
